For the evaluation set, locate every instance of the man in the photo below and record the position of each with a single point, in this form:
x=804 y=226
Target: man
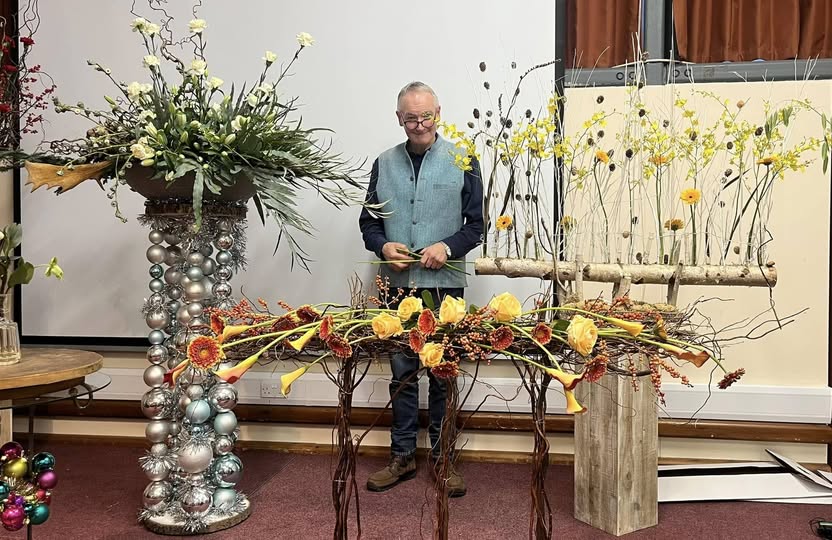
x=435 y=210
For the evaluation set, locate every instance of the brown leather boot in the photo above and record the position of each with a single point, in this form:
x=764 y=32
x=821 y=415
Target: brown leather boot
x=401 y=468
x=455 y=482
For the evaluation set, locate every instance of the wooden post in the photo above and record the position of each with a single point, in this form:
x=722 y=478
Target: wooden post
x=5 y=423
x=616 y=455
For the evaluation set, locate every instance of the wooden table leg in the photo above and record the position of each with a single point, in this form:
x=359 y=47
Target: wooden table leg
x=5 y=422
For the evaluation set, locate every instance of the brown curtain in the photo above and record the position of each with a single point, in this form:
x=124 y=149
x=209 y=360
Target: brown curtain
x=745 y=30
x=601 y=32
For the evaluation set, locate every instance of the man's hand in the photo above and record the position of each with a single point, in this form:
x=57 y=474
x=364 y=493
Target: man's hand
x=434 y=256
x=395 y=251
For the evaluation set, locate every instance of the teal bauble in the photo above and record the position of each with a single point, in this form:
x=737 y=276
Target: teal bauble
x=4 y=490
x=42 y=461
x=40 y=513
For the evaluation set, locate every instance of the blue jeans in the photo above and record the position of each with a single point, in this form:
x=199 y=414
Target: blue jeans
x=404 y=389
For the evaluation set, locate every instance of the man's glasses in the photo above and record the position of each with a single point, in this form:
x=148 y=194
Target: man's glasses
x=426 y=122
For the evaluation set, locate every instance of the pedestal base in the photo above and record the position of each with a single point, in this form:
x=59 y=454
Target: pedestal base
x=168 y=525
x=616 y=457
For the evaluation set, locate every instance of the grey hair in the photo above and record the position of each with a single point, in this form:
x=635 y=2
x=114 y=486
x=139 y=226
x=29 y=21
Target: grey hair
x=416 y=86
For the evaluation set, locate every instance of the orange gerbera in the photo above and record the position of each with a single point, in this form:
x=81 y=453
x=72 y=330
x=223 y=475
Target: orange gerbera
x=326 y=328
x=503 y=223
x=427 y=322
x=217 y=324
x=307 y=314
x=446 y=370
x=542 y=333
x=602 y=156
x=417 y=340
x=204 y=352
x=595 y=368
x=690 y=196
x=339 y=346
x=501 y=338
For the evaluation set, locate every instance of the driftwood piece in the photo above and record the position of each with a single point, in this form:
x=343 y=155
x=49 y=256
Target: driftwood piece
x=738 y=275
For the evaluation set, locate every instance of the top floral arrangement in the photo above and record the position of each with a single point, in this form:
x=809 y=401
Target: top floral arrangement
x=198 y=139
x=647 y=176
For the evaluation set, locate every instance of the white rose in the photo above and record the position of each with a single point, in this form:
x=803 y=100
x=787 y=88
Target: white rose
x=198 y=67
x=305 y=40
x=215 y=82
x=150 y=60
x=196 y=26
x=270 y=57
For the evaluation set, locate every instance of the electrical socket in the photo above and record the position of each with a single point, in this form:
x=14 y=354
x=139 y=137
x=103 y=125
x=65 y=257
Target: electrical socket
x=270 y=389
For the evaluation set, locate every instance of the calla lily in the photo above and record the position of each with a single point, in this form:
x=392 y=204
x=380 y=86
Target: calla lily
x=572 y=405
x=698 y=359
x=568 y=380
x=301 y=342
x=232 y=331
x=173 y=374
x=632 y=327
x=287 y=379
x=233 y=374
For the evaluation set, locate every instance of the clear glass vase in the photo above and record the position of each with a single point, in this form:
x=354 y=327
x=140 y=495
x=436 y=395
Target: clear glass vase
x=9 y=336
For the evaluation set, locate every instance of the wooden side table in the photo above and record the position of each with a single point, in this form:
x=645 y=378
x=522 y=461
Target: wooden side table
x=43 y=374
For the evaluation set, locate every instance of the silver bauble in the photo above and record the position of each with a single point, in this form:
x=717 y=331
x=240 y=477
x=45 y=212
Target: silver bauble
x=226 y=470
x=157 y=318
x=207 y=267
x=224 y=257
x=194 y=458
x=197 y=479
x=156 y=254
x=173 y=305
x=196 y=501
x=224 y=241
x=223 y=272
x=223 y=445
x=182 y=315
x=157 y=430
x=224 y=304
x=206 y=250
x=173 y=361
x=174 y=255
x=224 y=498
x=158 y=449
x=184 y=401
x=156 y=300
x=195 y=391
x=156 y=285
x=156 y=495
x=155 y=403
x=222 y=289
x=225 y=422
x=194 y=273
x=157 y=354
x=156 y=337
x=155 y=470
x=194 y=258
x=235 y=435
x=172 y=276
x=156 y=237
x=154 y=376
x=223 y=225
x=222 y=397
x=175 y=293
x=198 y=411
x=195 y=309
x=180 y=339
x=199 y=324
x=175 y=428
x=194 y=291
x=156 y=271
x=172 y=239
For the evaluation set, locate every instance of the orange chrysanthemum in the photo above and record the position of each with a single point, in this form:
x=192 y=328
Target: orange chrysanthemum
x=307 y=315
x=417 y=340
x=427 y=322
x=445 y=370
x=204 y=352
x=501 y=338
x=542 y=333
x=326 y=328
x=339 y=346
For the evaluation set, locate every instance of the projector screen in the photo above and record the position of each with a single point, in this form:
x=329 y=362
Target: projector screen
x=364 y=52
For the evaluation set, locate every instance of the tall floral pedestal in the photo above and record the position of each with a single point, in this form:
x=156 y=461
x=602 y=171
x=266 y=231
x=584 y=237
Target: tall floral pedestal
x=616 y=455
x=192 y=429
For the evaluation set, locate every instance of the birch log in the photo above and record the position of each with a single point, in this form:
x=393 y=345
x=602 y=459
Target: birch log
x=742 y=275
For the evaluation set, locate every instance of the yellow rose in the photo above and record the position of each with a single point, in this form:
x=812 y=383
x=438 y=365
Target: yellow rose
x=431 y=354
x=408 y=307
x=506 y=307
x=582 y=334
x=386 y=325
x=452 y=310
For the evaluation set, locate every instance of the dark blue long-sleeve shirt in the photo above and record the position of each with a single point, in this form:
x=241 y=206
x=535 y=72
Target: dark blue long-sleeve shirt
x=461 y=242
